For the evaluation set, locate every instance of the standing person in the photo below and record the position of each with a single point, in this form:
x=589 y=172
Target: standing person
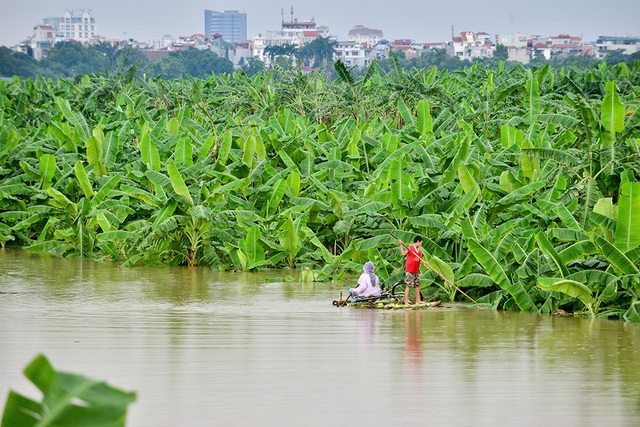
x=368 y=283
x=412 y=268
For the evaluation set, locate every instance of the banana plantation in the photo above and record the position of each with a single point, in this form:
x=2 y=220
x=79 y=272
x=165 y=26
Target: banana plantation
x=522 y=182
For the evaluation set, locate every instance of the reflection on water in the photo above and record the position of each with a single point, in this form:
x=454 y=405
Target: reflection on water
x=202 y=347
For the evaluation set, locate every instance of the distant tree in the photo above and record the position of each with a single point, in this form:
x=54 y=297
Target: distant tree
x=615 y=57
x=193 y=62
x=578 y=61
x=272 y=51
x=109 y=51
x=400 y=54
x=253 y=66
x=501 y=53
x=171 y=67
x=290 y=50
x=538 y=61
x=72 y=58
x=17 y=64
x=319 y=52
x=283 y=63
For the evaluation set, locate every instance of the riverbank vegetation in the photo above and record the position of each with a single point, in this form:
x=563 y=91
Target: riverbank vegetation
x=523 y=182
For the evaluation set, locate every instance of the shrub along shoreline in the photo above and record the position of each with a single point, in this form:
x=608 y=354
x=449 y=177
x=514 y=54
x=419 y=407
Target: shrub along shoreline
x=523 y=182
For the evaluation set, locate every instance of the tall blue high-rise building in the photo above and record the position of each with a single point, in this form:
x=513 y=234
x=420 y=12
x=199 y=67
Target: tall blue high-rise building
x=231 y=24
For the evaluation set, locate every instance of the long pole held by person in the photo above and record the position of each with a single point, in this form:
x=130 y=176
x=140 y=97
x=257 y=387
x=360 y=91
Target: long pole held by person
x=425 y=262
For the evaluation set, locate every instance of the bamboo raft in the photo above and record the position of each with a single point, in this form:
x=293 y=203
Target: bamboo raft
x=384 y=302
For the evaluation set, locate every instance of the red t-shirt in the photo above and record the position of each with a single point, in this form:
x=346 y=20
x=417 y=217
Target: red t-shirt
x=413 y=260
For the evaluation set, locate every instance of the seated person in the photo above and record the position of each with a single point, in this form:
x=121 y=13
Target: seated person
x=368 y=284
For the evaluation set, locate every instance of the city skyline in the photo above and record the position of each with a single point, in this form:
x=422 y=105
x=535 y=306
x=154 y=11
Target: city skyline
x=417 y=20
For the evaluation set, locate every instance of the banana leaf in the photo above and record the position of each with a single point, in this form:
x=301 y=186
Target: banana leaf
x=633 y=313
x=425 y=121
x=627 y=235
x=441 y=268
x=568 y=287
x=406 y=114
x=550 y=253
x=47 y=170
x=578 y=250
x=476 y=280
x=178 y=183
x=94 y=152
x=83 y=180
x=567 y=218
x=68 y=399
x=490 y=264
x=617 y=258
x=612 y=110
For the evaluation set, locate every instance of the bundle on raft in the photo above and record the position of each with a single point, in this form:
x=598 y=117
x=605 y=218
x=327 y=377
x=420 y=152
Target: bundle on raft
x=386 y=302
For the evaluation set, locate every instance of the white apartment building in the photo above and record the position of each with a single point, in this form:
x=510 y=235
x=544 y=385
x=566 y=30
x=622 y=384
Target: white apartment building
x=353 y=53
x=517 y=46
x=606 y=44
x=470 y=46
x=293 y=32
x=74 y=25
x=368 y=37
x=557 y=46
x=42 y=40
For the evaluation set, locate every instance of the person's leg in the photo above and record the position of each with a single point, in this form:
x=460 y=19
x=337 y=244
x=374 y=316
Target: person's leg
x=417 y=288
x=407 y=291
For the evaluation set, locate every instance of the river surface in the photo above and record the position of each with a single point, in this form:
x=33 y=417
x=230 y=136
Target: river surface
x=207 y=348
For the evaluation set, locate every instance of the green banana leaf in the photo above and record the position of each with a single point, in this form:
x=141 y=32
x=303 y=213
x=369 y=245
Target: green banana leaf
x=441 y=268
x=83 y=180
x=252 y=247
x=178 y=183
x=47 y=170
x=425 y=121
x=612 y=111
x=476 y=280
x=550 y=253
x=94 y=152
x=567 y=218
x=276 y=196
x=77 y=120
x=633 y=313
x=105 y=190
x=578 y=250
x=68 y=399
x=498 y=275
x=627 y=235
x=111 y=148
x=617 y=258
x=568 y=287
x=490 y=264
x=406 y=114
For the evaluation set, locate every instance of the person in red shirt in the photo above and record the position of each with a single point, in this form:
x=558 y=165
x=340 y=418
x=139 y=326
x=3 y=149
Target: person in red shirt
x=412 y=268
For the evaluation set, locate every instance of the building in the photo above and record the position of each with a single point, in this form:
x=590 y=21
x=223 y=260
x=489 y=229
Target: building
x=470 y=46
x=606 y=44
x=231 y=24
x=74 y=25
x=407 y=46
x=365 y=36
x=352 y=53
x=292 y=32
x=43 y=39
x=555 y=46
x=517 y=46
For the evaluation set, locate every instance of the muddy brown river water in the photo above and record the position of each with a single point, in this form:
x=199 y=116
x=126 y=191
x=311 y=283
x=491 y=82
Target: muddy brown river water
x=207 y=348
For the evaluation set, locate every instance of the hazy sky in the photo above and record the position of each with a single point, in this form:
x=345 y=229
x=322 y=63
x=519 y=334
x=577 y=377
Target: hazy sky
x=420 y=20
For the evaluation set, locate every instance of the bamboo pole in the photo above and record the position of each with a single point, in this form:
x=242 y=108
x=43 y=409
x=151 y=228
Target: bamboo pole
x=425 y=262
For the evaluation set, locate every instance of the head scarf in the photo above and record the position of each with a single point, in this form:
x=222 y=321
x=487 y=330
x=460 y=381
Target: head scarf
x=369 y=269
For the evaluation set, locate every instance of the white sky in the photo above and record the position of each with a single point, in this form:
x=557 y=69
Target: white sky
x=420 y=20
